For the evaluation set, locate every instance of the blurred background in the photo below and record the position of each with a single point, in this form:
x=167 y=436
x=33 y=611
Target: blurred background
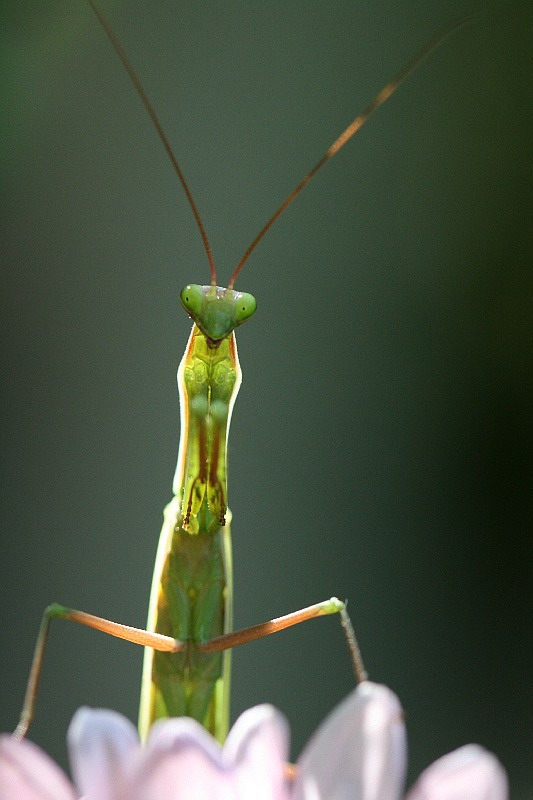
x=381 y=445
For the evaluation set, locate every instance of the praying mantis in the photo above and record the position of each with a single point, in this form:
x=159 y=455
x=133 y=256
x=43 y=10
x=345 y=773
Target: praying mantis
x=232 y=504
x=189 y=633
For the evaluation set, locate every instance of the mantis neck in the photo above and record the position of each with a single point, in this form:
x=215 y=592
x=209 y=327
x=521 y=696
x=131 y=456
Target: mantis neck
x=208 y=382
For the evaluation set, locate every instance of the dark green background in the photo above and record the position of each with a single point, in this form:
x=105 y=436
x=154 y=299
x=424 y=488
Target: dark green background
x=381 y=444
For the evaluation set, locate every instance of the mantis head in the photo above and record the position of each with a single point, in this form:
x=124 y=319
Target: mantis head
x=217 y=311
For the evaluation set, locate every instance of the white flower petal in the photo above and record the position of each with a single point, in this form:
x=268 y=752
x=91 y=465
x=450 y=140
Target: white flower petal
x=102 y=747
x=359 y=751
x=183 y=762
x=469 y=773
x=257 y=748
x=27 y=773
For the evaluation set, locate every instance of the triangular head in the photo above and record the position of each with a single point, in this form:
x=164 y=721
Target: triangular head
x=216 y=310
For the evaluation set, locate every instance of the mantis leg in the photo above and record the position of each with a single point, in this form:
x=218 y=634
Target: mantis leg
x=54 y=611
x=331 y=606
x=169 y=645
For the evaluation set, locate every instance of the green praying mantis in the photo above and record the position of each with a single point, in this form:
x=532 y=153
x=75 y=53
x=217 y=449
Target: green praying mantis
x=189 y=633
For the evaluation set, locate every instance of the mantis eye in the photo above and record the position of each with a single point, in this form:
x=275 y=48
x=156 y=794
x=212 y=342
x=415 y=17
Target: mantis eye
x=245 y=306
x=192 y=299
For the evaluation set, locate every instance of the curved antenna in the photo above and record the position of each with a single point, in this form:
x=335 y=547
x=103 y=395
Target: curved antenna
x=153 y=116
x=347 y=134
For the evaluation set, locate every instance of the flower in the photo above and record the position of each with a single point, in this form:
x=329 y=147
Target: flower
x=358 y=753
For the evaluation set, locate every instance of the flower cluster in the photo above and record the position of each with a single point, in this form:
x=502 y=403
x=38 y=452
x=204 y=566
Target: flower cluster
x=358 y=753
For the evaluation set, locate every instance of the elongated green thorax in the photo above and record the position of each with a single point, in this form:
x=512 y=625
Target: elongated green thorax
x=191 y=588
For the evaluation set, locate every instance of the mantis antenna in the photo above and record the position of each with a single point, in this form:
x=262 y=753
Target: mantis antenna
x=345 y=136
x=159 y=128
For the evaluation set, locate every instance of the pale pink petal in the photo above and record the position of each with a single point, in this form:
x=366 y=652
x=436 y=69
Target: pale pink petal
x=183 y=762
x=27 y=773
x=258 y=748
x=359 y=751
x=102 y=746
x=469 y=773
